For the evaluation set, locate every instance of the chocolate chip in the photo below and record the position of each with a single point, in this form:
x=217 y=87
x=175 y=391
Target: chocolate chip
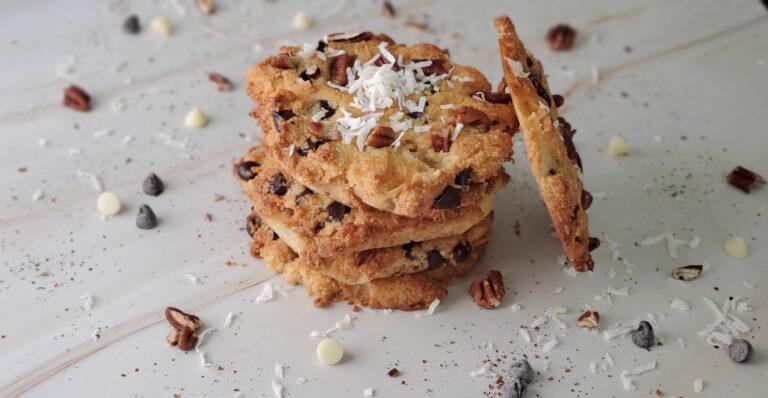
x=285 y=114
x=311 y=146
x=131 y=25
x=363 y=257
x=311 y=72
x=740 y=350
x=152 y=185
x=338 y=69
x=494 y=98
x=469 y=116
x=521 y=370
x=439 y=143
x=450 y=198
x=304 y=193
x=593 y=243
x=252 y=224
x=643 y=335
x=586 y=199
x=281 y=61
x=278 y=185
x=558 y=100
x=77 y=99
x=461 y=252
x=413 y=115
x=744 y=179
x=245 y=170
x=381 y=137
x=408 y=247
x=464 y=177
x=321 y=45
x=434 y=259
x=329 y=111
x=146 y=218
x=336 y=211
x=561 y=37
x=567 y=133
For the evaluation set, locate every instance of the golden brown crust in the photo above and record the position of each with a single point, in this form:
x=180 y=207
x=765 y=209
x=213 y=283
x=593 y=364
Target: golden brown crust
x=405 y=179
x=547 y=151
x=405 y=292
x=314 y=224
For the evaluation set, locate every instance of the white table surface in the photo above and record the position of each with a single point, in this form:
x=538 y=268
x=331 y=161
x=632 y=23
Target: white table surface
x=695 y=77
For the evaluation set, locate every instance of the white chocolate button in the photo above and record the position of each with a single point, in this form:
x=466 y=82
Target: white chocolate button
x=195 y=119
x=161 y=26
x=329 y=351
x=618 y=146
x=109 y=204
x=301 y=21
x=736 y=247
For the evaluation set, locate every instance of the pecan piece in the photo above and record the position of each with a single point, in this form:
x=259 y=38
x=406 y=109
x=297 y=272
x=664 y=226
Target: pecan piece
x=494 y=98
x=338 y=71
x=187 y=339
x=77 y=99
x=588 y=320
x=687 y=273
x=437 y=67
x=469 y=116
x=488 y=292
x=179 y=319
x=282 y=61
x=315 y=128
x=380 y=137
x=744 y=179
x=173 y=337
x=450 y=198
x=349 y=37
x=206 y=6
x=220 y=82
x=561 y=37
x=439 y=143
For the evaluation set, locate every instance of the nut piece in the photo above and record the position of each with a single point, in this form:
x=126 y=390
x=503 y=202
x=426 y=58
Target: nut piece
x=220 y=82
x=173 y=337
x=206 y=6
x=744 y=179
x=736 y=247
x=618 y=146
x=560 y=37
x=187 y=339
x=588 y=320
x=315 y=128
x=489 y=292
x=493 y=98
x=77 y=99
x=687 y=273
x=282 y=61
x=394 y=372
x=380 y=137
x=338 y=72
x=179 y=319
x=469 y=116
x=439 y=143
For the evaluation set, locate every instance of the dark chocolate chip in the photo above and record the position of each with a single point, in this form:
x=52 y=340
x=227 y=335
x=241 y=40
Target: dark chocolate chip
x=464 y=177
x=513 y=388
x=575 y=212
x=131 y=25
x=408 y=247
x=336 y=211
x=152 y=185
x=413 y=115
x=304 y=193
x=643 y=335
x=558 y=100
x=311 y=72
x=586 y=199
x=318 y=226
x=450 y=198
x=434 y=259
x=461 y=252
x=329 y=111
x=311 y=146
x=245 y=170
x=363 y=257
x=593 y=243
x=321 y=45
x=278 y=185
x=146 y=218
x=252 y=224
x=552 y=172
x=285 y=114
x=740 y=350
x=744 y=179
x=521 y=370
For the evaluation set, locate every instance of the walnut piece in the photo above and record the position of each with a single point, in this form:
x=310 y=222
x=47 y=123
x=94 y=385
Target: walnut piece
x=588 y=320
x=488 y=292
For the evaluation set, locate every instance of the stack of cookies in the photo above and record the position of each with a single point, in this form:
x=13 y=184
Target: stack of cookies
x=376 y=179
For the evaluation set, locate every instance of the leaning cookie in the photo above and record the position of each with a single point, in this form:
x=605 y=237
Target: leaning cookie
x=365 y=120
x=315 y=224
x=406 y=292
x=363 y=267
x=549 y=147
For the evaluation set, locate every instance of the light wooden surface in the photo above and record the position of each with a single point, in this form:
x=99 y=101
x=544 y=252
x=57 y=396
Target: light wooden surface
x=692 y=107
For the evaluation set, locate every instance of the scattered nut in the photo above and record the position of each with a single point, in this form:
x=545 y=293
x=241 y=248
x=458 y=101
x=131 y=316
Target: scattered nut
x=380 y=137
x=179 y=319
x=736 y=247
x=561 y=37
x=195 y=119
x=489 y=292
x=161 y=26
x=588 y=320
x=173 y=337
x=77 y=99
x=744 y=179
x=301 y=21
x=394 y=372
x=206 y=6
x=187 y=339
x=687 y=273
x=387 y=9
x=220 y=82
x=618 y=146
x=208 y=217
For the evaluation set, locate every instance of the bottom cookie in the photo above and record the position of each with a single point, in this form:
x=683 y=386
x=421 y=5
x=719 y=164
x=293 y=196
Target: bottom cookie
x=406 y=292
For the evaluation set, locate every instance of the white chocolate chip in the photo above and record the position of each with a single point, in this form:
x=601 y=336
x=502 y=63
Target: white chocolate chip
x=161 y=26
x=109 y=204
x=301 y=21
x=329 y=351
x=736 y=247
x=618 y=146
x=195 y=119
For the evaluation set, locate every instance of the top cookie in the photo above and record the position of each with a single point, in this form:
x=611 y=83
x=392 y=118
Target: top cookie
x=549 y=147
x=365 y=120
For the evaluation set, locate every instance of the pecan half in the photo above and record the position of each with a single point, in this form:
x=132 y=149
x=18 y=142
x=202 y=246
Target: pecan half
x=687 y=273
x=561 y=37
x=180 y=319
x=469 y=116
x=282 y=61
x=588 y=320
x=77 y=99
x=744 y=179
x=187 y=339
x=338 y=70
x=489 y=292
x=437 y=67
x=220 y=82
x=380 y=137
x=494 y=98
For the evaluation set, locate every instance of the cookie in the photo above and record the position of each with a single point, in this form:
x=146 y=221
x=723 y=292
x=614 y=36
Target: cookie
x=549 y=147
x=316 y=225
x=406 y=292
x=367 y=121
x=356 y=268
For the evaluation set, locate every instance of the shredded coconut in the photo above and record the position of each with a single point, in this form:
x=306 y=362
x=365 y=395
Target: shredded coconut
x=87 y=301
x=228 y=320
x=679 y=305
x=525 y=334
x=628 y=383
x=550 y=345
x=698 y=386
x=515 y=307
x=429 y=311
x=368 y=392
x=277 y=381
x=92 y=178
x=267 y=294
x=192 y=278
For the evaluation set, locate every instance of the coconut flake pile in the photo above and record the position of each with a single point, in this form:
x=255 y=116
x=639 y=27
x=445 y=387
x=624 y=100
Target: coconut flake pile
x=726 y=325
